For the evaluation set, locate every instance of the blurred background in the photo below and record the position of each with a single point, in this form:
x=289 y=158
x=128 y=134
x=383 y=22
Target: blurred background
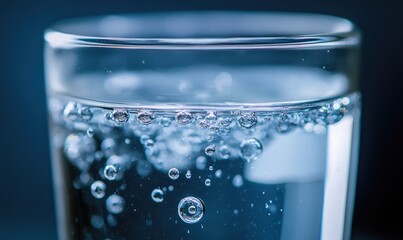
x=26 y=195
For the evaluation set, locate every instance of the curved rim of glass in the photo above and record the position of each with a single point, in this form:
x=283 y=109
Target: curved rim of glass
x=250 y=30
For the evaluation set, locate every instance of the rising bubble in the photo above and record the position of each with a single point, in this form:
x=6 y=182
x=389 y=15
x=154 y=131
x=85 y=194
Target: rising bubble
x=165 y=121
x=210 y=150
x=157 y=195
x=173 y=173
x=110 y=172
x=237 y=181
x=85 y=113
x=218 y=173
x=98 y=189
x=201 y=162
x=250 y=149
x=224 y=152
x=115 y=204
x=188 y=174
x=191 y=209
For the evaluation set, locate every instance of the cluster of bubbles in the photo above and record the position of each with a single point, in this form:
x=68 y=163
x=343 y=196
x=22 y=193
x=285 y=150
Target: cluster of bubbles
x=174 y=142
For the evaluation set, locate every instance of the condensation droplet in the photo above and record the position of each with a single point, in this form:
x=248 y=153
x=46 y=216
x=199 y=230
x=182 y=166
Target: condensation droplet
x=110 y=172
x=207 y=182
x=115 y=204
x=250 y=149
x=145 y=117
x=120 y=115
x=157 y=195
x=190 y=210
x=173 y=173
x=210 y=150
x=184 y=117
x=98 y=189
x=237 y=181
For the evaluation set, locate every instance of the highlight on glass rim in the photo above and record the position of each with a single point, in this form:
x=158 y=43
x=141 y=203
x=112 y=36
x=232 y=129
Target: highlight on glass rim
x=195 y=125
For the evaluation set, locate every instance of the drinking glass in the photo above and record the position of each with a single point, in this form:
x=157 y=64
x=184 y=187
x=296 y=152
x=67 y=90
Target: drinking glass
x=204 y=125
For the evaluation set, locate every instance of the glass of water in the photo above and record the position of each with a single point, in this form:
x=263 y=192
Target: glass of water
x=204 y=125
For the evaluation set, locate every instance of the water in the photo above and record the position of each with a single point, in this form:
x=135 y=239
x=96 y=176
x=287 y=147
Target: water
x=199 y=171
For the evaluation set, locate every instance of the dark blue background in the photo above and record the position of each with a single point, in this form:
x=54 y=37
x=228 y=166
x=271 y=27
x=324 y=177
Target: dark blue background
x=26 y=197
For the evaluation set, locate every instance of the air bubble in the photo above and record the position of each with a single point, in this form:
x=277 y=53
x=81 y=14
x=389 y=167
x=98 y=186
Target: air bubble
x=183 y=117
x=224 y=152
x=191 y=210
x=211 y=116
x=250 y=149
x=188 y=174
x=97 y=222
x=145 y=117
x=165 y=121
x=149 y=143
x=207 y=182
x=237 y=181
x=115 y=204
x=90 y=132
x=110 y=172
x=173 y=173
x=211 y=168
x=85 y=113
x=210 y=150
x=201 y=163
x=224 y=122
x=157 y=195
x=79 y=149
x=98 y=189
x=120 y=115
x=335 y=116
x=144 y=168
x=192 y=136
x=70 y=111
x=247 y=120
x=218 y=173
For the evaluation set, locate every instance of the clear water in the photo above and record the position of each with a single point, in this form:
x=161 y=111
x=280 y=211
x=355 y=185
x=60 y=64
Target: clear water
x=197 y=171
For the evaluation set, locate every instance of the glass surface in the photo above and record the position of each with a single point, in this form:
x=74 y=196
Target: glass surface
x=195 y=125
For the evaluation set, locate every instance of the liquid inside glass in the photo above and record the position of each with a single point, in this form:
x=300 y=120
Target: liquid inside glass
x=202 y=163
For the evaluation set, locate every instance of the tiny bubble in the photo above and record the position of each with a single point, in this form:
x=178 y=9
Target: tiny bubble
x=173 y=173
x=157 y=195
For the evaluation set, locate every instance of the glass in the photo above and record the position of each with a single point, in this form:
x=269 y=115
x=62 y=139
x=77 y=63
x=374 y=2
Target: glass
x=195 y=125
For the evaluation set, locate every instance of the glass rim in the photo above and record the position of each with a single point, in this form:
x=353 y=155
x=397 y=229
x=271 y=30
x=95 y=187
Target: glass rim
x=205 y=30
